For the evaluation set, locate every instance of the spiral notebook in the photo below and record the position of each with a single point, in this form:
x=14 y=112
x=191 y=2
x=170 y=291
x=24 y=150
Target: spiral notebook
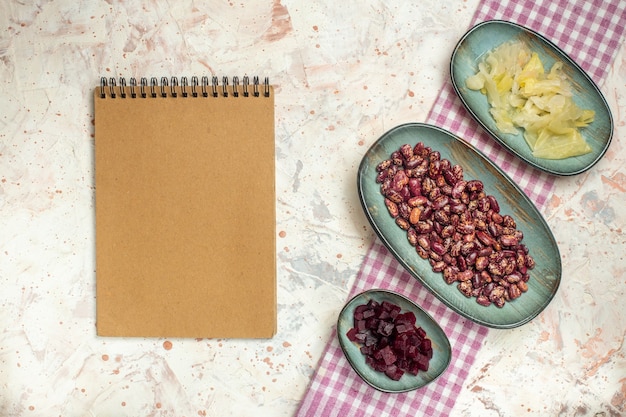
x=185 y=208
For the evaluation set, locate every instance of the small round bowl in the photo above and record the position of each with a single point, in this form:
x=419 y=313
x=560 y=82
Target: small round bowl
x=442 y=352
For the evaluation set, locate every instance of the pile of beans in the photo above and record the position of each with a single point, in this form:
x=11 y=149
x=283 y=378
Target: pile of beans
x=454 y=224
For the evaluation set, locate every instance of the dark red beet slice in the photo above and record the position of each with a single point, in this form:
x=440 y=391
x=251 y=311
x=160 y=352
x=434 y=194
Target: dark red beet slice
x=394 y=372
x=352 y=334
x=390 y=340
x=387 y=355
x=422 y=362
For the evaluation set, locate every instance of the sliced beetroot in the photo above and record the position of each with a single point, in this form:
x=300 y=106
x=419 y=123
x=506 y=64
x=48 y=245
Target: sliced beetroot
x=390 y=340
x=412 y=352
x=352 y=334
x=387 y=355
x=422 y=362
x=403 y=328
x=385 y=328
x=369 y=313
x=407 y=318
x=394 y=372
x=413 y=368
x=360 y=325
x=421 y=332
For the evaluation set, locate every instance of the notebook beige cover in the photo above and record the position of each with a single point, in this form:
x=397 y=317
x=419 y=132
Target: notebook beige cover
x=185 y=211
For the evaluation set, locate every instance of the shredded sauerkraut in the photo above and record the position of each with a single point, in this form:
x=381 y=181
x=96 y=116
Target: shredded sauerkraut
x=521 y=94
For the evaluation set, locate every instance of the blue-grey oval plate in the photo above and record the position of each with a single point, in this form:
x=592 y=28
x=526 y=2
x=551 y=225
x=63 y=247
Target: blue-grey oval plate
x=544 y=278
x=442 y=352
x=484 y=37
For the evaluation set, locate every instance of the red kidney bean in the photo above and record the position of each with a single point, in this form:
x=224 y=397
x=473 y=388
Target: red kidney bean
x=439 y=266
x=466 y=288
x=440 y=181
x=514 y=292
x=508 y=240
x=468 y=247
x=440 y=202
x=470 y=259
x=441 y=217
x=434 y=257
x=403 y=223
x=465 y=275
x=405 y=193
x=449 y=176
x=423 y=241
x=494 y=268
x=484 y=205
x=417 y=201
x=407 y=151
x=384 y=165
x=396 y=158
x=404 y=210
x=480 y=225
x=483 y=300
x=438 y=248
x=458 y=189
x=466 y=228
x=481 y=263
x=494 y=229
x=476 y=280
x=428 y=184
x=394 y=196
x=508 y=221
x=457 y=207
x=514 y=277
x=454 y=224
x=413 y=162
x=447 y=231
x=392 y=208
x=494 y=204
x=415 y=187
x=399 y=181
x=414 y=215
x=423 y=253
x=411 y=235
x=424 y=227
x=427 y=213
x=474 y=185
x=450 y=274
x=458 y=172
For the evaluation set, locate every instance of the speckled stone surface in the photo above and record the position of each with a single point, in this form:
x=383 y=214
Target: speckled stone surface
x=344 y=74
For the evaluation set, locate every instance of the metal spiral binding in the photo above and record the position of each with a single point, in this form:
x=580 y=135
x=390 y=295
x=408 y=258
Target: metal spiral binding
x=172 y=87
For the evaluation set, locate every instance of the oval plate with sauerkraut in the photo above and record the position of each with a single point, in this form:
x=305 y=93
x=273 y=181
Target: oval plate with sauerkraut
x=531 y=97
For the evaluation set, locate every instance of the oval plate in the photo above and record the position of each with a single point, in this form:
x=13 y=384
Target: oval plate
x=544 y=278
x=484 y=37
x=442 y=352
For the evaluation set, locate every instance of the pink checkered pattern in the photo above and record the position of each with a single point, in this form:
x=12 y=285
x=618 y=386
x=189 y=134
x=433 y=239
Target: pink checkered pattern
x=588 y=31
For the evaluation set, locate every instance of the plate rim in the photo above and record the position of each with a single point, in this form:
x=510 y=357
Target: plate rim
x=494 y=135
x=342 y=339
x=413 y=273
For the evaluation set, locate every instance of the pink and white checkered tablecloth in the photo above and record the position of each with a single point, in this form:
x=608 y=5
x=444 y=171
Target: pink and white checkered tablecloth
x=588 y=31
